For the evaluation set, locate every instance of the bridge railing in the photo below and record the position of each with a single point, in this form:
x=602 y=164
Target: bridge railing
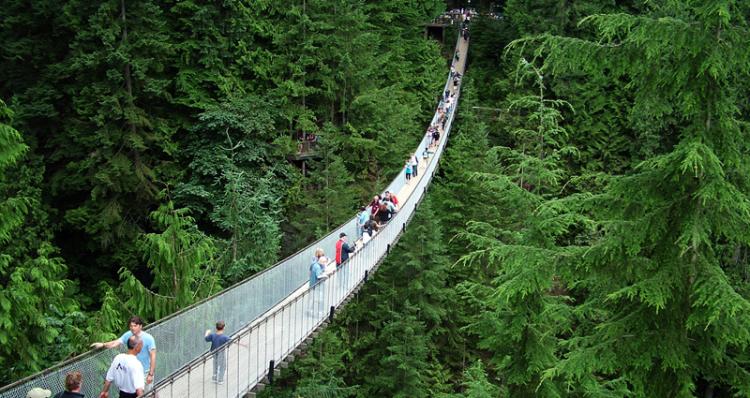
x=181 y=350
x=252 y=353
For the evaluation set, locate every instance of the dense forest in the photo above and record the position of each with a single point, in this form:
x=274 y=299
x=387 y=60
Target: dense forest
x=587 y=233
x=148 y=148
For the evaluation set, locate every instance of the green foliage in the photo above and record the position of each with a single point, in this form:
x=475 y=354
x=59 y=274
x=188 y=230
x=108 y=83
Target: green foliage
x=180 y=259
x=659 y=225
x=520 y=320
x=32 y=274
x=235 y=179
x=11 y=143
x=477 y=385
x=12 y=147
x=119 y=102
x=621 y=282
x=402 y=370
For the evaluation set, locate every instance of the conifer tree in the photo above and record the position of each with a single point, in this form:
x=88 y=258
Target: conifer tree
x=32 y=275
x=236 y=172
x=181 y=261
x=520 y=319
x=110 y=136
x=325 y=202
x=323 y=368
x=659 y=314
x=402 y=369
x=11 y=149
x=477 y=386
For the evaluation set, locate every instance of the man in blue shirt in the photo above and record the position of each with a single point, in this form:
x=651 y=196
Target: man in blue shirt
x=147 y=355
x=317 y=274
x=317 y=271
x=362 y=218
x=218 y=340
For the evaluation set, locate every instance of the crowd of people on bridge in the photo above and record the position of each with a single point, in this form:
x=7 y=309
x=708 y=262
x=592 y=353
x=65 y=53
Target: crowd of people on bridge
x=381 y=209
x=132 y=372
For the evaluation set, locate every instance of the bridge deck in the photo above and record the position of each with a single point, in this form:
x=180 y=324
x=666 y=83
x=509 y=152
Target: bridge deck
x=289 y=310
x=245 y=353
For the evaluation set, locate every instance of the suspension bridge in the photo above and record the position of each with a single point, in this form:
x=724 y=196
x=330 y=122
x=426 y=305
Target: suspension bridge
x=271 y=316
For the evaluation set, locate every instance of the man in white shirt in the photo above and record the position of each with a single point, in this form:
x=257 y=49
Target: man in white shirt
x=126 y=371
x=147 y=355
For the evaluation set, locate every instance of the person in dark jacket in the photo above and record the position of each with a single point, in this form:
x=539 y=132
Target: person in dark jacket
x=343 y=249
x=218 y=339
x=73 y=381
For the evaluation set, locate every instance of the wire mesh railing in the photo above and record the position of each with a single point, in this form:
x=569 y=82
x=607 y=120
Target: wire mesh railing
x=268 y=315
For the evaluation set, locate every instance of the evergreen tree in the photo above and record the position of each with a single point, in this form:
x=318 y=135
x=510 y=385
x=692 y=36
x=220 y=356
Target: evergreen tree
x=477 y=385
x=236 y=171
x=659 y=270
x=402 y=370
x=32 y=275
x=181 y=261
x=11 y=149
x=658 y=309
x=106 y=152
x=516 y=304
x=323 y=367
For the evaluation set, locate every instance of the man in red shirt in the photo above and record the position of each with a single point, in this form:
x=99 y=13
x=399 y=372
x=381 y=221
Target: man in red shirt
x=342 y=249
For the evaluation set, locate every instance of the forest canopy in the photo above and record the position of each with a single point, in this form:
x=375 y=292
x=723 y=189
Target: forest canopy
x=587 y=233
x=133 y=131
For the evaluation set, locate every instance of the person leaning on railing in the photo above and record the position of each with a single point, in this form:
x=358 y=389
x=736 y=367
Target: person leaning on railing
x=317 y=267
x=362 y=218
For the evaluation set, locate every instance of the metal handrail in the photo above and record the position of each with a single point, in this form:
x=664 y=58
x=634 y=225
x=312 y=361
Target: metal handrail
x=17 y=389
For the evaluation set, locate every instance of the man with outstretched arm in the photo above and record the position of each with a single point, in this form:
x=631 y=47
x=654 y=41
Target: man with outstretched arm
x=147 y=356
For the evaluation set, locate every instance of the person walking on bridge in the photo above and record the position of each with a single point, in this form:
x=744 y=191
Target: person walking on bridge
x=362 y=218
x=218 y=340
x=147 y=356
x=317 y=275
x=374 y=206
x=317 y=272
x=126 y=371
x=343 y=249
